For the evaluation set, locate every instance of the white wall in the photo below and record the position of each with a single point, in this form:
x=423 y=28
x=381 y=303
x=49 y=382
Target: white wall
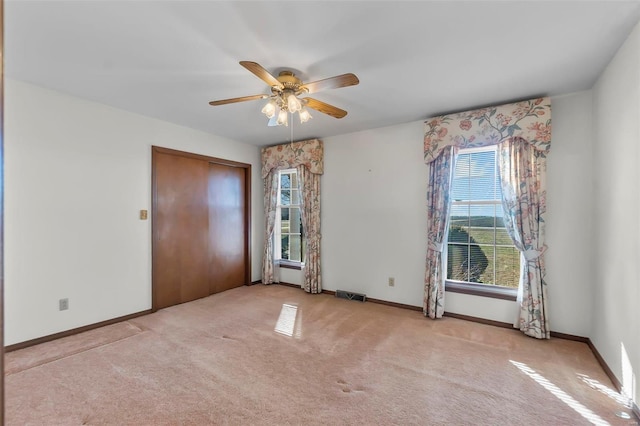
x=76 y=175
x=374 y=218
x=615 y=312
x=570 y=236
x=373 y=213
x=291 y=276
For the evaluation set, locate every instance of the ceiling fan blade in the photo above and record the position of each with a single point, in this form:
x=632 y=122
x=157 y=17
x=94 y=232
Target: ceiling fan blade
x=234 y=100
x=261 y=73
x=325 y=108
x=336 y=82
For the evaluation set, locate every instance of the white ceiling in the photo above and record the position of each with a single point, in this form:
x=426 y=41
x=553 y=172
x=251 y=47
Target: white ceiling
x=414 y=59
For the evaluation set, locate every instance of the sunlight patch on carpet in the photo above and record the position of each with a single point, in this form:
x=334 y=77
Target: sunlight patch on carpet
x=616 y=396
x=628 y=376
x=560 y=394
x=288 y=320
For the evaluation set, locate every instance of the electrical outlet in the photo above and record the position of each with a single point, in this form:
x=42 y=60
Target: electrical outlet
x=392 y=281
x=63 y=304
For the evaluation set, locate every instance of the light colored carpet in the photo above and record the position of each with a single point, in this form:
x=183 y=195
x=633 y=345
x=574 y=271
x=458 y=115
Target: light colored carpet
x=27 y=358
x=276 y=355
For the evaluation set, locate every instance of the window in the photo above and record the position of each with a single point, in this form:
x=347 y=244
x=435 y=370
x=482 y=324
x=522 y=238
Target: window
x=288 y=244
x=479 y=249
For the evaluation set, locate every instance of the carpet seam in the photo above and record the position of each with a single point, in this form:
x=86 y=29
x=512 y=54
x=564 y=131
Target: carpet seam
x=40 y=364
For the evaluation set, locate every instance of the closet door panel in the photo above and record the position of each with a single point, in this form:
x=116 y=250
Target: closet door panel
x=227 y=234
x=181 y=238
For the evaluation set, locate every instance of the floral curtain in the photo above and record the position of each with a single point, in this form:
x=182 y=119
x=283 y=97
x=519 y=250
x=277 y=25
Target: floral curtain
x=524 y=131
x=308 y=158
x=270 y=204
x=288 y=156
x=522 y=175
x=438 y=205
x=311 y=225
x=529 y=120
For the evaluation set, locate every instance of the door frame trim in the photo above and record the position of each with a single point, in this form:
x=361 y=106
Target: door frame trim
x=155 y=150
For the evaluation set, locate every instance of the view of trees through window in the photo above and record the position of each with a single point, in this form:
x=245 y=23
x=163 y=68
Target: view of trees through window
x=290 y=235
x=479 y=249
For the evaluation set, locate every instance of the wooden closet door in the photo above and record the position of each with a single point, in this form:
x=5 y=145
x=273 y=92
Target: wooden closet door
x=228 y=250
x=181 y=246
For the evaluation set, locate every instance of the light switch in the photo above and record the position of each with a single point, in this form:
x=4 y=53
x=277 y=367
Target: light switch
x=143 y=215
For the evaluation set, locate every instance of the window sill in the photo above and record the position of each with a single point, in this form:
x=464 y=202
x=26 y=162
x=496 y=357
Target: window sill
x=290 y=265
x=493 y=291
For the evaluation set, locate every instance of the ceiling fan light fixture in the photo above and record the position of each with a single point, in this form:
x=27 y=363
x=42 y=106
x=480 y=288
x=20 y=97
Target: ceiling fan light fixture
x=304 y=115
x=293 y=103
x=269 y=109
x=283 y=118
x=273 y=121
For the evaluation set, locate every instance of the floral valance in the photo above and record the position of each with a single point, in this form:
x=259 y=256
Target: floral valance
x=308 y=153
x=530 y=120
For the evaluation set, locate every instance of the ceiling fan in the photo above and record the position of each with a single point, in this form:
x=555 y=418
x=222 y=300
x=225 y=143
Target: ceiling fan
x=285 y=90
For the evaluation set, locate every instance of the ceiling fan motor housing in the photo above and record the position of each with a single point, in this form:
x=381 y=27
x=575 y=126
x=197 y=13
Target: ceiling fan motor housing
x=290 y=81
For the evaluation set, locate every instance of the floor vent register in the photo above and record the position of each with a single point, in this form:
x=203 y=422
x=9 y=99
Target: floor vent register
x=343 y=294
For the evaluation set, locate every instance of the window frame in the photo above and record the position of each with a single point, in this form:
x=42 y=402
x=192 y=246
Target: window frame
x=479 y=289
x=277 y=228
